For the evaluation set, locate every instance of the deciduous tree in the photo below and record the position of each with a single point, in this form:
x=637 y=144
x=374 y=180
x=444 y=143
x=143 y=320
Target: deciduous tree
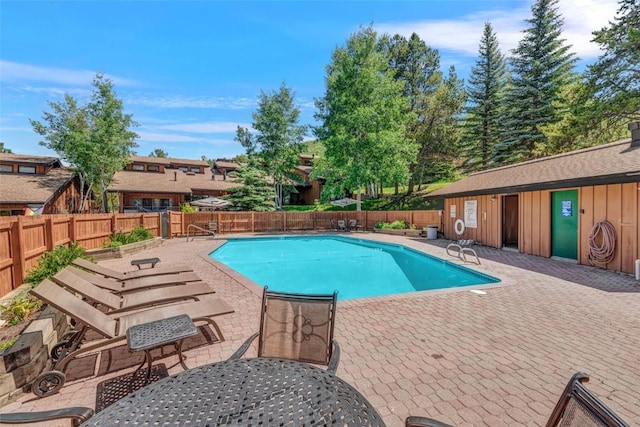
x=362 y=118
x=159 y=152
x=96 y=139
x=278 y=138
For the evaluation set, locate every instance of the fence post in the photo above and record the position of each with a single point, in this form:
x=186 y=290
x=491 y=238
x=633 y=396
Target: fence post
x=114 y=223
x=141 y=220
x=253 y=222
x=48 y=233
x=284 y=221
x=17 y=253
x=72 y=229
x=159 y=227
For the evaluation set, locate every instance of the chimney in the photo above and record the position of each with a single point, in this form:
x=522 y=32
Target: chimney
x=175 y=175
x=634 y=127
x=213 y=176
x=224 y=177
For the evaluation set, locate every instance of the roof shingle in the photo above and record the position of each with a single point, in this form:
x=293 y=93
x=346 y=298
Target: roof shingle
x=602 y=164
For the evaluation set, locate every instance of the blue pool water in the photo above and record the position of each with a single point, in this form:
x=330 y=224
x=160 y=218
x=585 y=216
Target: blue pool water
x=356 y=268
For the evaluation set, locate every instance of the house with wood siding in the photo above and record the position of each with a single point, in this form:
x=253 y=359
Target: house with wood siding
x=550 y=206
x=31 y=185
x=159 y=183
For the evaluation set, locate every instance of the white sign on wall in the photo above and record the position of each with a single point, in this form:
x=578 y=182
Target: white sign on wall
x=471 y=214
x=452 y=211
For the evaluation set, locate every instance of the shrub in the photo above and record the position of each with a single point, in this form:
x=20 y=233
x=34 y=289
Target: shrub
x=186 y=207
x=20 y=307
x=138 y=234
x=6 y=344
x=395 y=225
x=52 y=262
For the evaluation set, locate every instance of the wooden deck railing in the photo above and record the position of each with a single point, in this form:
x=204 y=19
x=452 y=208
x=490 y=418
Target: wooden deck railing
x=23 y=239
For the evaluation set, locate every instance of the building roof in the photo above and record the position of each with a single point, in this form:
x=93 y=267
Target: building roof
x=171 y=181
x=615 y=162
x=21 y=188
x=167 y=161
x=226 y=164
x=26 y=158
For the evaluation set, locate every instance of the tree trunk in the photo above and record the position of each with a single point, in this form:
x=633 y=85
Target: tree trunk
x=359 y=199
x=103 y=196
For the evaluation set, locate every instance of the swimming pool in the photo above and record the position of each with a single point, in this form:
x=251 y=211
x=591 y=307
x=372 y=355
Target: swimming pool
x=357 y=268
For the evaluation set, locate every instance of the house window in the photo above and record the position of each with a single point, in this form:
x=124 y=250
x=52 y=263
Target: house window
x=153 y=168
x=195 y=170
x=26 y=169
x=6 y=168
x=138 y=167
x=183 y=169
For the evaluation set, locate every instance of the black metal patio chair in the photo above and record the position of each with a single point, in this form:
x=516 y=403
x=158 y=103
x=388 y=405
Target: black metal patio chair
x=577 y=407
x=297 y=327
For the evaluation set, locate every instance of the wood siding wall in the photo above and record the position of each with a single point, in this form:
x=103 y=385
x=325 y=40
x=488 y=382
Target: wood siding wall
x=618 y=204
x=23 y=239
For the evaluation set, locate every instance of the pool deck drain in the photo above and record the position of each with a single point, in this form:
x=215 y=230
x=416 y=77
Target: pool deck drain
x=505 y=359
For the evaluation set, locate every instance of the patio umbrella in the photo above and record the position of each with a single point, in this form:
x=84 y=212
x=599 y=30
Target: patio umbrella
x=211 y=202
x=343 y=202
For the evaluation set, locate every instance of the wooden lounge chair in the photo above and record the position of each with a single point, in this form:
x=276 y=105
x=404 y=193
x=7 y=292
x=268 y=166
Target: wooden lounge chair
x=111 y=326
x=297 y=327
x=577 y=407
x=127 y=275
x=134 y=285
x=118 y=302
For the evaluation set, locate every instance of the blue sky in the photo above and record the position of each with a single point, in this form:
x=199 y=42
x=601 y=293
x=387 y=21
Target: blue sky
x=190 y=72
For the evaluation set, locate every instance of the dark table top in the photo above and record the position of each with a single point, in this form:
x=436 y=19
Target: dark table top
x=244 y=392
x=153 y=334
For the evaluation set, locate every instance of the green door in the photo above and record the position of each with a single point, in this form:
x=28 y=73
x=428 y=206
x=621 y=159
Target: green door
x=564 y=224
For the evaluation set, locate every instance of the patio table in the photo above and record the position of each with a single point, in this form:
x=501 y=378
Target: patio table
x=244 y=392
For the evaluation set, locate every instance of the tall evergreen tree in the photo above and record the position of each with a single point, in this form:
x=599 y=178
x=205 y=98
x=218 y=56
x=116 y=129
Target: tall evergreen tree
x=541 y=66
x=485 y=90
x=616 y=75
x=433 y=105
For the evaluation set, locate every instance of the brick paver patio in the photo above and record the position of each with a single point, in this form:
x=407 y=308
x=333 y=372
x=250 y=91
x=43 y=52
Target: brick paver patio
x=495 y=359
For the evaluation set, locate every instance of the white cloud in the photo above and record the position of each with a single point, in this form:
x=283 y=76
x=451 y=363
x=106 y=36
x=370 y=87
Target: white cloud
x=175 y=138
x=193 y=102
x=205 y=127
x=463 y=35
x=14 y=71
x=52 y=91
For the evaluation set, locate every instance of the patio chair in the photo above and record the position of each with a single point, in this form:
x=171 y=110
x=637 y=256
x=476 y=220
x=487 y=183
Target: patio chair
x=134 y=285
x=577 y=407
x=297 y=327
x=116 y=302
x=353 y=225
x=111 y=326
x=127 y=275
x=342 y=225
x=77 y=415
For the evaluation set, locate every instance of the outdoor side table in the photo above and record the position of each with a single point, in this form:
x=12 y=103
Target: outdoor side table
x=147 y=336
x=244 y=392
x=140 y=262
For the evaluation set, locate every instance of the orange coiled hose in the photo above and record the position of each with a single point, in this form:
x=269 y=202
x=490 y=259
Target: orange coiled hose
x=602 y=242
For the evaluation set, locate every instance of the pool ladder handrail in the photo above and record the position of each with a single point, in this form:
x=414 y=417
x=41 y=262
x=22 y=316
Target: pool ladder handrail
x=211 y=229
x=461 y=251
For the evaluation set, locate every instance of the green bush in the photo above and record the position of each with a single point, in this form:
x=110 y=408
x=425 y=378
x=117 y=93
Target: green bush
x=52 y=262
x=138 y=234
x=20 y=307
x=186 y=207
x=395 y=225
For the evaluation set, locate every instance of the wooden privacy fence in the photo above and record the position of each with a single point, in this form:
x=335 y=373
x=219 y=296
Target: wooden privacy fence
x=282 y=221
x=23 y=239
